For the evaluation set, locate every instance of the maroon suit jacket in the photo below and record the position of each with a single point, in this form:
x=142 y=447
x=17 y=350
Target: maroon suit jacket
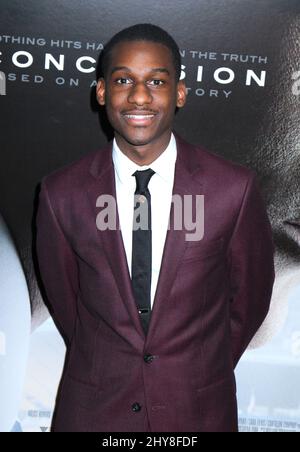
x=211 y=298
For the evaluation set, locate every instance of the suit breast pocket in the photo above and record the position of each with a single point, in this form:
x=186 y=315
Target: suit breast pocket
x=202 y=250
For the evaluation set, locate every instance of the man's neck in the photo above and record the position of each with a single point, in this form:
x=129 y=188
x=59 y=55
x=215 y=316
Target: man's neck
x=146 y=154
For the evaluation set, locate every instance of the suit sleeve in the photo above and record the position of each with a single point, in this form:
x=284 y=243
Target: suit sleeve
x=251 y=263
x=58 y=267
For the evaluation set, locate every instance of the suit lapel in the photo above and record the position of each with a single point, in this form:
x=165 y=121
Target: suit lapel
x=112 y=242
x=184 y=184
x=103 y=182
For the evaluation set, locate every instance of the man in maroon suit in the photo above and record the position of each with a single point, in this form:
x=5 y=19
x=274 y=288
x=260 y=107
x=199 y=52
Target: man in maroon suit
x=155 y=318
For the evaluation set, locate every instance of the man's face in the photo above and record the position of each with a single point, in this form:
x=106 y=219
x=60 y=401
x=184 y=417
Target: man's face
x=141 y=92
x=276 y=155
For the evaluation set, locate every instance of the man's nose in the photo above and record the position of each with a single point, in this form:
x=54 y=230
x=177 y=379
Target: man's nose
x=140 y=94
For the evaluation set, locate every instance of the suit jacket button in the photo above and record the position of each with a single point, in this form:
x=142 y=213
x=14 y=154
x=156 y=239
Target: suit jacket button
x=136 y=407
x=148 y=358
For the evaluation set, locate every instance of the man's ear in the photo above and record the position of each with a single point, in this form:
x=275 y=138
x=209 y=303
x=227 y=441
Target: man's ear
x=181 y=94
x=100 y=91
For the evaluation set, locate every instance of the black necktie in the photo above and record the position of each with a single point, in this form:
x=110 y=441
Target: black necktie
x=142 y=246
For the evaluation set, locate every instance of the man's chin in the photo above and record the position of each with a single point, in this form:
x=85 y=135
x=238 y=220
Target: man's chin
x=138 y=139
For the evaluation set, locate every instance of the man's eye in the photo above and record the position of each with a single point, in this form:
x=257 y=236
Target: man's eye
x=156 y=82
x=123 y=81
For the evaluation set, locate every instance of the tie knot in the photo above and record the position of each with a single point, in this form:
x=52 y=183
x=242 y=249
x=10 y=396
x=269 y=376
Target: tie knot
x=142 y=180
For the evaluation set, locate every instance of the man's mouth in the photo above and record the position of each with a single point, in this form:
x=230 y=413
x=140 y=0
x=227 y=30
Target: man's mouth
x=139 y=118
x=292 y=227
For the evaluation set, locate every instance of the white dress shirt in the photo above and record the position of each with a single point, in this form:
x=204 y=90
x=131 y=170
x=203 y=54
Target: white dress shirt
x=161 y=189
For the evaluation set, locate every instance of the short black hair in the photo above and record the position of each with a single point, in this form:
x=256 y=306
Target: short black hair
x=141 y=32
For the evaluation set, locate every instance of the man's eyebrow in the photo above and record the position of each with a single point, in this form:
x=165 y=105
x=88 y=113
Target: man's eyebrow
x=119 y=68
x=161 y=69
x=127 y=69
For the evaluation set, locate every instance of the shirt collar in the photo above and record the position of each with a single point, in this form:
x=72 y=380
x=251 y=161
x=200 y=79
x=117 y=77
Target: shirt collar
x=164 y=165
